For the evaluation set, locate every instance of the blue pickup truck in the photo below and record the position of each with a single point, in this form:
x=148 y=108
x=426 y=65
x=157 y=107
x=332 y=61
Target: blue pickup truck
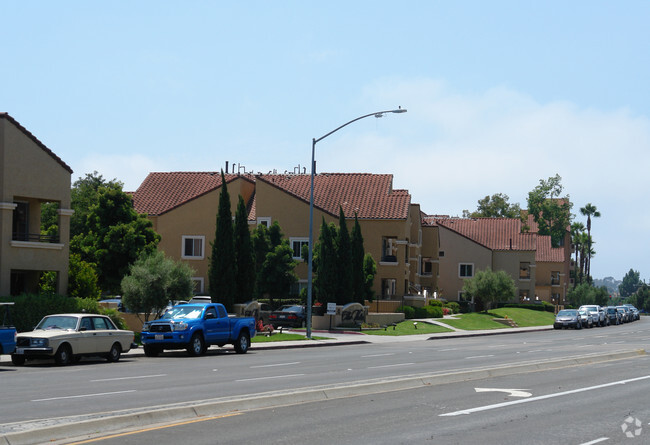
x=7 y=331
x=195 y=327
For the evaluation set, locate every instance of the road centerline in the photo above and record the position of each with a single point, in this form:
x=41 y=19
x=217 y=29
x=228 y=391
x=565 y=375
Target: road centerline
x=80 y=396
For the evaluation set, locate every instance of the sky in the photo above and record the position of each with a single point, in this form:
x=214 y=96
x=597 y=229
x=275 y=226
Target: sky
x=500 y=95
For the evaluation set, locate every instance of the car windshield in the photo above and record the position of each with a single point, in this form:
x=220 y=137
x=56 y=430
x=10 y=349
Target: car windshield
x=183 y=311
x=566 y=313
x=58 y=322
x=291 y=308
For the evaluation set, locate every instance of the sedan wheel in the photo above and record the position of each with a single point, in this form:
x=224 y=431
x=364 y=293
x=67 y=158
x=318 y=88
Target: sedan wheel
x=63 y=355
x=115 y=353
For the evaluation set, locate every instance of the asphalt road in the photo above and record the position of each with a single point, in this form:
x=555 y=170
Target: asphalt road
x=44 y=391
x=578 y=405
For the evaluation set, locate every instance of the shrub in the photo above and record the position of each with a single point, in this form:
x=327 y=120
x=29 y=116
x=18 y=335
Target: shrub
x=453 y=307
x=435 y=303
x=428 y=312
x=408 y=311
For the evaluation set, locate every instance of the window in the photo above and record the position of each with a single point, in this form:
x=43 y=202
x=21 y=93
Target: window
x=264 y=221
x=555 y=278
x=101 y=323
x=297 y=287
x=21 y=222
x=441 y=253
x=426 y=267
x=389 y=249
x=198 y=285
x=465 y=270
x=524 y=295
x=524 y=271
x=193 y=247
x=296 y=246
x=388 y=286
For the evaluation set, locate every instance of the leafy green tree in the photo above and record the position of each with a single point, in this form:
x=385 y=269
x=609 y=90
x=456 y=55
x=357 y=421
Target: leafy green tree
x=551 y=212
x=641 y=298
x=245 y=265
x=369 y=272
x=84 y=195
x=275 y=235
x=82 y=279
x=489 y=287
x=344 y=293
x=495 y=206
x=277 y=273
x=116 y=235
x=358 y=251
x=221 y=272
x=153 y=281
x=589 y=210
x=586 y=293
x=629 y=285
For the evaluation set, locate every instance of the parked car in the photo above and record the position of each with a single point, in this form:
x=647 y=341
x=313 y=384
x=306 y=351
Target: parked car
x=614 y=316
x=68 y=337
x=568 y=318
x=586 y=318
x=196 y=326
x=627 y=314
x=288 y=316
x=7 y=330
x=597 y=312
x=635 y=312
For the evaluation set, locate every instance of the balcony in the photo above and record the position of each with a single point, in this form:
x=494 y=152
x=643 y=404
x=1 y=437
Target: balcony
x=34 y=237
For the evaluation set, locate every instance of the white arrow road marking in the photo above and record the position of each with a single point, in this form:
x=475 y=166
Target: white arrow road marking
x=511 y=392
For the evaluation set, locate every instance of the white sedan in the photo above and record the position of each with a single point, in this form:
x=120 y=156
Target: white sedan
x=68 y=337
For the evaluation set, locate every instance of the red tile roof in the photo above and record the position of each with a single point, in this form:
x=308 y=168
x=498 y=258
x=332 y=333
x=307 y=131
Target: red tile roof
x=161 y=192
x=547 y=254
x=371 y=196
x=493 y=233
x=35 y=140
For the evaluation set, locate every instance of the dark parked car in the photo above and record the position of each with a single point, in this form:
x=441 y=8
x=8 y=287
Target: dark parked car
x=635 y=312
x=568 y=318
x=614 y=316
x=288 y=316
x=626 y=312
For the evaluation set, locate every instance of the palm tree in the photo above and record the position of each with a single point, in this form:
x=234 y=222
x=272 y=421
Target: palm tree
x=589 y=210
x=577 y=229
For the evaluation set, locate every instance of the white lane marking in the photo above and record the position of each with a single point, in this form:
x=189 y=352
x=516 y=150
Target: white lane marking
x=377 y=355
x=270 y=377
x=479 y=356
x=511 y=392
x=496 y=346
x=129 y=378
x=84 y=395
x=274 y=365
x=448 y=349
x=535 y=399
x=390 y=366
x=600 y=439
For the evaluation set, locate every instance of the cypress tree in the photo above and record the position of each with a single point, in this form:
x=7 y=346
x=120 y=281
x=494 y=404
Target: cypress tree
x=358 y=279
x=245 y=266
x=222 y=261
x=327 y=269
x=344 y=254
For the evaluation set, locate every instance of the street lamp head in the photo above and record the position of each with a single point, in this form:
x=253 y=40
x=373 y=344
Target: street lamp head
x=399 y=110
x=381 y=113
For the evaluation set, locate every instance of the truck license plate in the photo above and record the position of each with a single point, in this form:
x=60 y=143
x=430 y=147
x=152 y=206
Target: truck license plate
x=159 y=337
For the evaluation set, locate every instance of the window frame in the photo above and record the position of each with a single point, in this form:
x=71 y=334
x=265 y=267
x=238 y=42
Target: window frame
x=184 y=238
x=302 y=241
x=460 y=268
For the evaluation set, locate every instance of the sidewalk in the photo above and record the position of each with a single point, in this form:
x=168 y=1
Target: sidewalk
x=342 y=338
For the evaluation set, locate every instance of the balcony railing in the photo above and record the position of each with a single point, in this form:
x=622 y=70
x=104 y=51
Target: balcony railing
x=35 y=237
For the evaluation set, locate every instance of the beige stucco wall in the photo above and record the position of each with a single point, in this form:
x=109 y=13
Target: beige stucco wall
x=197 y=217
x=29 y=174
x=458 y=249
x=509 y=261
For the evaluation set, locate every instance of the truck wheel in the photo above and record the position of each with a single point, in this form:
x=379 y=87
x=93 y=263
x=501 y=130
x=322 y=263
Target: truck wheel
x=115 y=353
x=151 y=351
x=196 y=346
x=63 y=355
x=243 y=343
x=17 y=360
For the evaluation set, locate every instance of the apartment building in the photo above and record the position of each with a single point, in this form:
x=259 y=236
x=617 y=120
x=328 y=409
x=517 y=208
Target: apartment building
x=30 y=176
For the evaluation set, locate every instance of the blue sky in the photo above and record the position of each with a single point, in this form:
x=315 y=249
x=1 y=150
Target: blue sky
x=499 y=95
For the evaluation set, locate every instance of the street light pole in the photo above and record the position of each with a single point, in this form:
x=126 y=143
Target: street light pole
x=377 y=114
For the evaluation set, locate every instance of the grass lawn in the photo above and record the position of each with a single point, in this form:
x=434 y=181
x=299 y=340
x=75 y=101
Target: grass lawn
x=481 y=320
x=406 y=328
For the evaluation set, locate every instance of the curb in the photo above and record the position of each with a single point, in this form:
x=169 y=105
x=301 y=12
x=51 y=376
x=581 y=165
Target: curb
x=77 y=426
